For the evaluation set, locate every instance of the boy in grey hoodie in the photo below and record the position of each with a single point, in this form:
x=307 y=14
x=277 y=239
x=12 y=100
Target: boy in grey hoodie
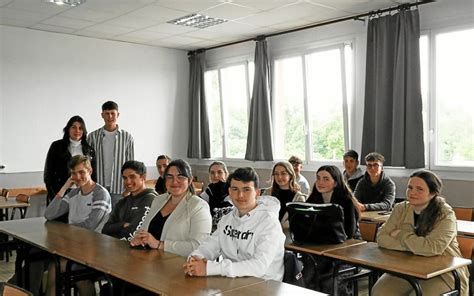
x=249 y=238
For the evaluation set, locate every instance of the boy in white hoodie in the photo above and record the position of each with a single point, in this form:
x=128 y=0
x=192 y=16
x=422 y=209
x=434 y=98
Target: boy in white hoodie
x=249 y=238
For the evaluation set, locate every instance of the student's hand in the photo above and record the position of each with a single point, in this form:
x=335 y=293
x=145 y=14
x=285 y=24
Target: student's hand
x=395 y=233
x=195 y=266
x=147 y=238
x=65 y=187
x=361 y=207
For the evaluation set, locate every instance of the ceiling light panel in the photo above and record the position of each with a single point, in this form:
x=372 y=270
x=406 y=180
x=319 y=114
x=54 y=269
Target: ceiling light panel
x=197 y=21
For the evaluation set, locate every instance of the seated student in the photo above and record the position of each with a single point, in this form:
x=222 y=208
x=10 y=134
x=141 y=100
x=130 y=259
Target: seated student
x=249 y=239
x=424 y=225
x=297 y=164
x=178 y=221
x=376 y=191
x=216 y=194
x=284 y=187
x=330 y=187
x=352 y=172
x=161 y=163
x=128 y=212
x=87 y=206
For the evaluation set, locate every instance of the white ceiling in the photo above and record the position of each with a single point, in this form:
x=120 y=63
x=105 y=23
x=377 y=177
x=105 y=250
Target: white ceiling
x=144 y=21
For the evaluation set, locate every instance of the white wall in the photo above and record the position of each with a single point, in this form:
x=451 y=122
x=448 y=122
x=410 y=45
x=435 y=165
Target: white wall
x=46 y=78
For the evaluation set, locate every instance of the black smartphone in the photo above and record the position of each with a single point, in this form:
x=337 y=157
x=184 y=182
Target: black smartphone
x=140 y=247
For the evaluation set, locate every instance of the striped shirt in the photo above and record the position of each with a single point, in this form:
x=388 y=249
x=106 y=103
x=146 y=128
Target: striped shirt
x=123 y=152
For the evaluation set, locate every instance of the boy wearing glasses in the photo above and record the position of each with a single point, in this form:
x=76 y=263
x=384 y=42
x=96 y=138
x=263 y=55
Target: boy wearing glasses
x=375 y=191
x=249 y=238
x=129 y=213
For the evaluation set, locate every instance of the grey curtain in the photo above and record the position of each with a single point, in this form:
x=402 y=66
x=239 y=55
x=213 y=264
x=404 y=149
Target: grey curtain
x=259 y=138
x=393 y=123
x=199 y=140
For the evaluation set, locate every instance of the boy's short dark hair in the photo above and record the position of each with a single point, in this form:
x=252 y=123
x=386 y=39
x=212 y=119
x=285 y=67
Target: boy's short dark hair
x=138 y=166
x=244 y=175
x=295 y=160
x=352 y=154
x=374 y=156
x=109 y=105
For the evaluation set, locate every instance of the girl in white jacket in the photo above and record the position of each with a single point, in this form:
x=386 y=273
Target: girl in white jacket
x=250 y=238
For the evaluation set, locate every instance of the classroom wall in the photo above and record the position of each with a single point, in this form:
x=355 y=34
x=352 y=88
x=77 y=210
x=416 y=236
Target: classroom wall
x=46 y=78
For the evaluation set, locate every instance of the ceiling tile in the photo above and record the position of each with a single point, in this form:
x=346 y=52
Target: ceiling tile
x=67 y=22
x=108 y=29
x=234 y=28
x=38 y=7
x=266 y=19
x=15 y=22
x=171 y=29
x=52 y=28
x=21 y=15
x=180 y=40
x=128 y=21
x=264 y=5
x=158 y=13
x=291 y=24
x=84 y=13
x=205 y=34
x=355 y=6
x=187 y=5
x=229 y=11
x=144 y=35
x=116 y=6
x=301 y=10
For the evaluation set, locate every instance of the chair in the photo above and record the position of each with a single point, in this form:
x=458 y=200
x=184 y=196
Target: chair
x=4 y=193
x=464 y=213
x=368 y=230
x=12 y=290
x=466 y=246
x=198 y=187
x=21 y=198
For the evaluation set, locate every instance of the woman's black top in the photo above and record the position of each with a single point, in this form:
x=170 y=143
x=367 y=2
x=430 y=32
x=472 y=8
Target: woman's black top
x=157 y=224
x=284 y=196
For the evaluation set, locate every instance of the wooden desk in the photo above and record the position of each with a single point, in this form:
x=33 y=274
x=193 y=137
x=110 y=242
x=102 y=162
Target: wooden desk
x=28 y=191
x=273 y=288
x=374 y=216
x=157 y=271
x=465 y=228
x=11 y=203
x=401 y=264
x=322 y=249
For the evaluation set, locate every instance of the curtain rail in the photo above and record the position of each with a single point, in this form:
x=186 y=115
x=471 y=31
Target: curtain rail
x=343 y=19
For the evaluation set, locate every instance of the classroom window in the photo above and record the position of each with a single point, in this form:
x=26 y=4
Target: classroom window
x=452 y=99
x=310 y=93
x=228 y=95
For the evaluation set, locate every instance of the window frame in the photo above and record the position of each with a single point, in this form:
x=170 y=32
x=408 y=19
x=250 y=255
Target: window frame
x=302 y=53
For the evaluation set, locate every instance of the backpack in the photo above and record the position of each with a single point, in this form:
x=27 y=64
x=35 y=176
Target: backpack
x=293 y=270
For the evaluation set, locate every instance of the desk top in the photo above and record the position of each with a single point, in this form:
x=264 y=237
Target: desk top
x=322 y=249
x=31 y=191
x=12 y=203
x=371 y=256
x=374 y=216
x=156 y=271
x=465 y=227
x=273 y=288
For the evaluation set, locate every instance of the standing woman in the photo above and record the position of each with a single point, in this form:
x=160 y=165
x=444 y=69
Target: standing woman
x=284 y=187
x=424 y=225
x=178 y=221
x=330 y=187
x=74 y=142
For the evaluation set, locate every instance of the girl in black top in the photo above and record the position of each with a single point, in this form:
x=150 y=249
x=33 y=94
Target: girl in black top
x=74 y=142
x=330 y=187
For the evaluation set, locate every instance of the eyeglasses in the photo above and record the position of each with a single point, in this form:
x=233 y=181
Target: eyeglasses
x=179 y=178
x=283 y=174
x=372 y=165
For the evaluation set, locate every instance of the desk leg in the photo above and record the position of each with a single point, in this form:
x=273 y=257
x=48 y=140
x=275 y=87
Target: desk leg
x=457 y=281
x=416 y=286
x=57 y=263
